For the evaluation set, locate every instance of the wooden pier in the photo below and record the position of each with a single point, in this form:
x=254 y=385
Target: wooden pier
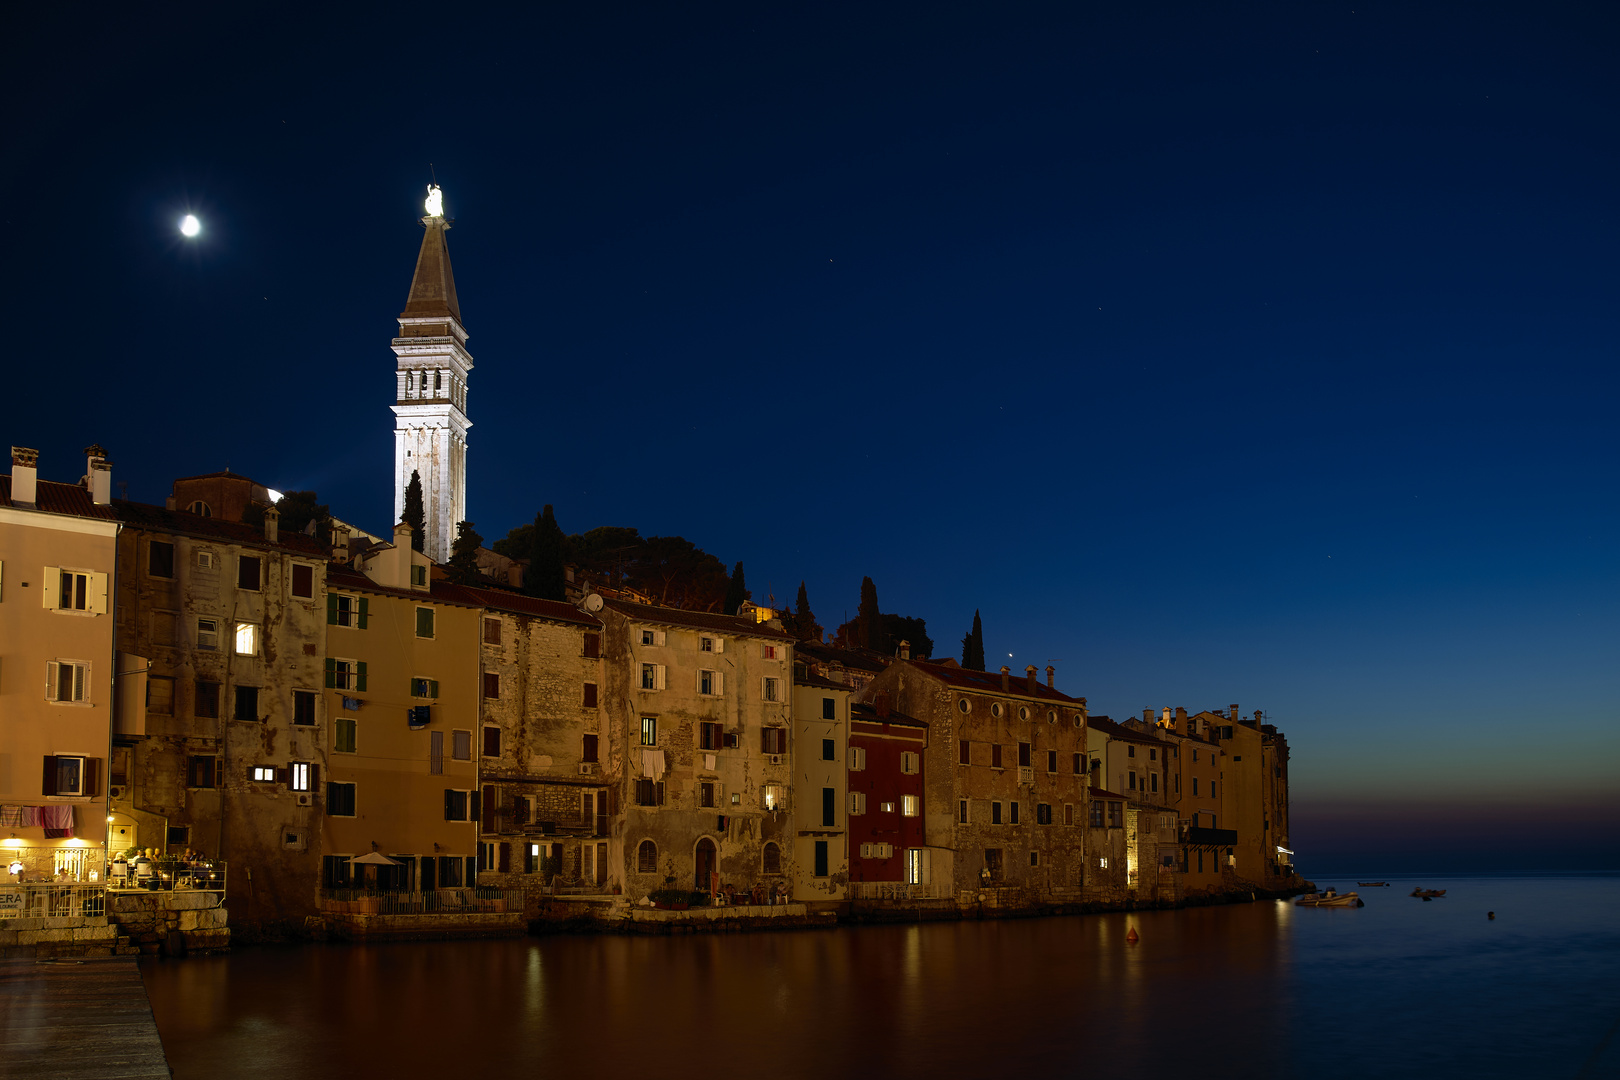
x=72 y=1019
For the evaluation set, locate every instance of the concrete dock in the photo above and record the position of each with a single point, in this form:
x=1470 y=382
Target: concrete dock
x=73 y=1019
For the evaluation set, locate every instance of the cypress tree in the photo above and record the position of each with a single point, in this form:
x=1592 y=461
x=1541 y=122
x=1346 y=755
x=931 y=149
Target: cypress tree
x=736 y=591
x=415 y=516
x=973 y=646
x=871 y=619
x=804 y=624
x=545 y=577
x=464 y=555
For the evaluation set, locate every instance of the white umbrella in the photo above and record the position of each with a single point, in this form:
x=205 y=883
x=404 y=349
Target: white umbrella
x=373 y=858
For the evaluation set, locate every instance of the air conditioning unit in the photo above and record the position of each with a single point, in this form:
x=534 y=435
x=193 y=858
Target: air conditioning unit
x=115 y=793
x=305 y=799
x=776 y=759
x=587 y=768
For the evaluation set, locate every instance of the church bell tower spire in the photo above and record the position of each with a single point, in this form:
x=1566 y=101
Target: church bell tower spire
x=430 y=407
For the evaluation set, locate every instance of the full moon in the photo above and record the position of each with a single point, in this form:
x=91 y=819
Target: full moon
x=190 y=226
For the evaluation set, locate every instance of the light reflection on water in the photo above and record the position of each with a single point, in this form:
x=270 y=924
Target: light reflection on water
x=1398 y=988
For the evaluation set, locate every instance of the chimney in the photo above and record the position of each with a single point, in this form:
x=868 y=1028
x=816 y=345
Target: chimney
x=1050 y=671
x=1258 y=716
x=1234 y=712
x=340 y=544
x=1181 y=717
x=1164 y=715
x=1147 y=715
x=272 y=524
x=98 y=474
x=24 y=476
x=1029 y=677
x=905 y=650
x=1006 y=679
x=514 y=576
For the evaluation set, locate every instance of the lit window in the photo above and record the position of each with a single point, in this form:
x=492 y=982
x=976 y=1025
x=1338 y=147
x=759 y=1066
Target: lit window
x=887 y=807
x=911 y=805
x=247 y=639
x=770 y=689
x=264 y=773
x=299 y=771
x=775 y=797
x=649 y=731
x=773 y=652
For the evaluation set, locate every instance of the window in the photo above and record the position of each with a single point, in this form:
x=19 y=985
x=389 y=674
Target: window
x=1116 y=815
x=1012 y=817
x=1034 y=858
x=1096 y=813
x=1153 y=754
x=964 y=753
x=770 y=688
x=829 y=807
x=829 y=709
x=455 y=807
x=1154 y=780
x=1195 y=787
x=246 y=639
x=1051 y=761
x=424 y=622
x=419 y=576
x=775 y=797
x=247 y=703
x=710 y=735
x=857 y=803
x=1078 y=767
x=1195 y=757
x=963 y=706
x=492 y=685
x=910 y=763
x=249 y=569
x=649 y=793
x=436 y=752
x=203 y=772
x=1176 y=778
x=205 y=560
x=647 y=858
x=1023 y=712
x=652 y=676
x=593 y=646
x=207 y=703
x=829 y=750
x=492 y=631
x=66 y=680
x=706 y=644
x=299 y=776
x=262 y=774
x=773 y=859
x=877 y=851
x=461 y=745
x=773 y=740
x=160 y=559
x=1211 y=789
x=303 y=581
x=425 y=688
x=345 y=610
x=345 y=674
x=344 y=731
x=821 y=858
x=339 y=799
x=207 y=633
x=995 y=708
x=1068 y=813
x=1130 y=751
x=771 y=652
x=201 y=509
x=304 y=708
x=706 y=793
x=709 y=682
x=1043 y=813
x=1023 y=755
x=652 y=637
x=995 y=755
x=587 y=748
x=649 y=731
x=492 y=742
x=857 y=758
x=911 y=805
x=962 y=811
x=587 y=696
x=995 y=813
x=68 y=774
x=1130 y=784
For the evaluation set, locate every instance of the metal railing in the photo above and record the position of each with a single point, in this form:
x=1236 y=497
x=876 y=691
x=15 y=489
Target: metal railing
x=458 y=901
x=898 y=890
x=169 y=875
x=49 y=900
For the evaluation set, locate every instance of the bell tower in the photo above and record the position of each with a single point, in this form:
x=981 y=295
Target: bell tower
x=430 y=406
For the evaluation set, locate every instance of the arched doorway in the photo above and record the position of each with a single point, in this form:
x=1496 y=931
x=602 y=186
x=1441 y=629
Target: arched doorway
x=704 y=857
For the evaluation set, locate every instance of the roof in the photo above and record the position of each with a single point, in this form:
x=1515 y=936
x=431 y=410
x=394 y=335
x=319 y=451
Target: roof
x=810 y=678
x=989 y=682
x=1116 y=731
x=433 y=287
x=221 y=475
x=184 y=522
x=868 y=713
x=54 y=498
x=1101 y=793
x=696 y=620
x=518 y=604
x=832 y=654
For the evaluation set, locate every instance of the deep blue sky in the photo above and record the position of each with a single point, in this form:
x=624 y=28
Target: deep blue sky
x=1217 y=353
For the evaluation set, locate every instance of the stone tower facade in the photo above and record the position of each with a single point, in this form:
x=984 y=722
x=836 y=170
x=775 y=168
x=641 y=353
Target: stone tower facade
x=430 y=407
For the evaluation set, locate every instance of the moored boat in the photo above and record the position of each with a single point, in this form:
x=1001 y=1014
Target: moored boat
x=1329 y=897
x=1373 y=884
x=1428 y=894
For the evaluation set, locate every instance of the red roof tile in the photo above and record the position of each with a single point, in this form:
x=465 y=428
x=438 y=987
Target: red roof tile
x=989 y=682
x=697 y=620
x=858 y=659
x=868 y=714
x=1116 y=731
x=185 y=523
x=446 y=592
x=54 y=498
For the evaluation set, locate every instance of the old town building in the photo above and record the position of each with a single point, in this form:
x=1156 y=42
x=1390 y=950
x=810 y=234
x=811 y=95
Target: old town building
x=58 y=676
x=888 y=840
x=227 y=614
x=821 y=841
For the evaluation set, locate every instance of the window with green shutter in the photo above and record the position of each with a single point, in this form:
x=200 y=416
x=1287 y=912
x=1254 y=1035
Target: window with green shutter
x=424 y=622
x=343 y=735
x=428 y=688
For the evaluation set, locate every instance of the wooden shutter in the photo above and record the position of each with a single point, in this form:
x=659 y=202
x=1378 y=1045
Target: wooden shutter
x=449 y=798
x=490 y=793
x=52 y=673
x=51 y=594
x=331 y=610
x=433 y=688
x=506 y=859
x=98 y=593
x=331 y=669
x=590 y=695
x=48 y=781
x=365 y=615
x=360 y=675
x=593 y=646
x=219 y=772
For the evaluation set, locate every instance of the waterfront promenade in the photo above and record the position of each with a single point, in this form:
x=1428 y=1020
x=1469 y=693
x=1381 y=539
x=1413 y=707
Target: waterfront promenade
x=74 y=1019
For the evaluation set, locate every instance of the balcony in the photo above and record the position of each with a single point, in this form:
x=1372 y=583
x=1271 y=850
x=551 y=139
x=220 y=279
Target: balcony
x=1026 y=774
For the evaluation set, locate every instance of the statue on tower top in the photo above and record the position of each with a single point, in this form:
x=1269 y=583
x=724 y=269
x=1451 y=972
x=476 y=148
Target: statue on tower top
x=434 y=205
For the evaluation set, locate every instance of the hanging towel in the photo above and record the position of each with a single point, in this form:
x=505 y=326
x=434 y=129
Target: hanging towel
x=11 y=815
x=652 y=763
x=708 y=762
x=352 y=704
x=31 y=816
x=58 y=816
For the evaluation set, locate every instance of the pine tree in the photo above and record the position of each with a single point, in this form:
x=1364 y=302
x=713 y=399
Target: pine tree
x=973 y=646
x=871 y=634
x=415 y=516
x=545 y=577
x=464 y=555
x=803 y=622
x=736 y=591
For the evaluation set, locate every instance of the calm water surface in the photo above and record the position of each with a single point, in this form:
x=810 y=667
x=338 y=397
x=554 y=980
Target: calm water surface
x=1397 y=988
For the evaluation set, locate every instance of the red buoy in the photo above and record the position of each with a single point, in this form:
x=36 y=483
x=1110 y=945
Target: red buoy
x=1130 y=935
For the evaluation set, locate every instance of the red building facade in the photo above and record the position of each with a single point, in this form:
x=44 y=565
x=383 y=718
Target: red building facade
x=886 y=833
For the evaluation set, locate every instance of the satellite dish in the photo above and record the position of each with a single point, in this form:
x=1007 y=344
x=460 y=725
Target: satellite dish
x=593 y=603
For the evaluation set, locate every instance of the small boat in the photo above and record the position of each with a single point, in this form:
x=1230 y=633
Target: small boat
x=1373 y=884
x=1329 y=898
x=1428 y=894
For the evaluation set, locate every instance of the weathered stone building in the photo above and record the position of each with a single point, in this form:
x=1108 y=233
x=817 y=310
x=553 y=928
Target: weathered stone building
x=232 y=748
x=821 y=843
x=1005 y=777
x=698 y=711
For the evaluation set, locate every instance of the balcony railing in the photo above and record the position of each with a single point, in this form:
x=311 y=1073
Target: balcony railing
x=169 y=875
x=1026 y=774
x=50 y=900
x=460 y=901
x=897 y=890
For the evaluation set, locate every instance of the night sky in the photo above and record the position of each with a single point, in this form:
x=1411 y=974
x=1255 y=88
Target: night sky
x=1216 y=353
